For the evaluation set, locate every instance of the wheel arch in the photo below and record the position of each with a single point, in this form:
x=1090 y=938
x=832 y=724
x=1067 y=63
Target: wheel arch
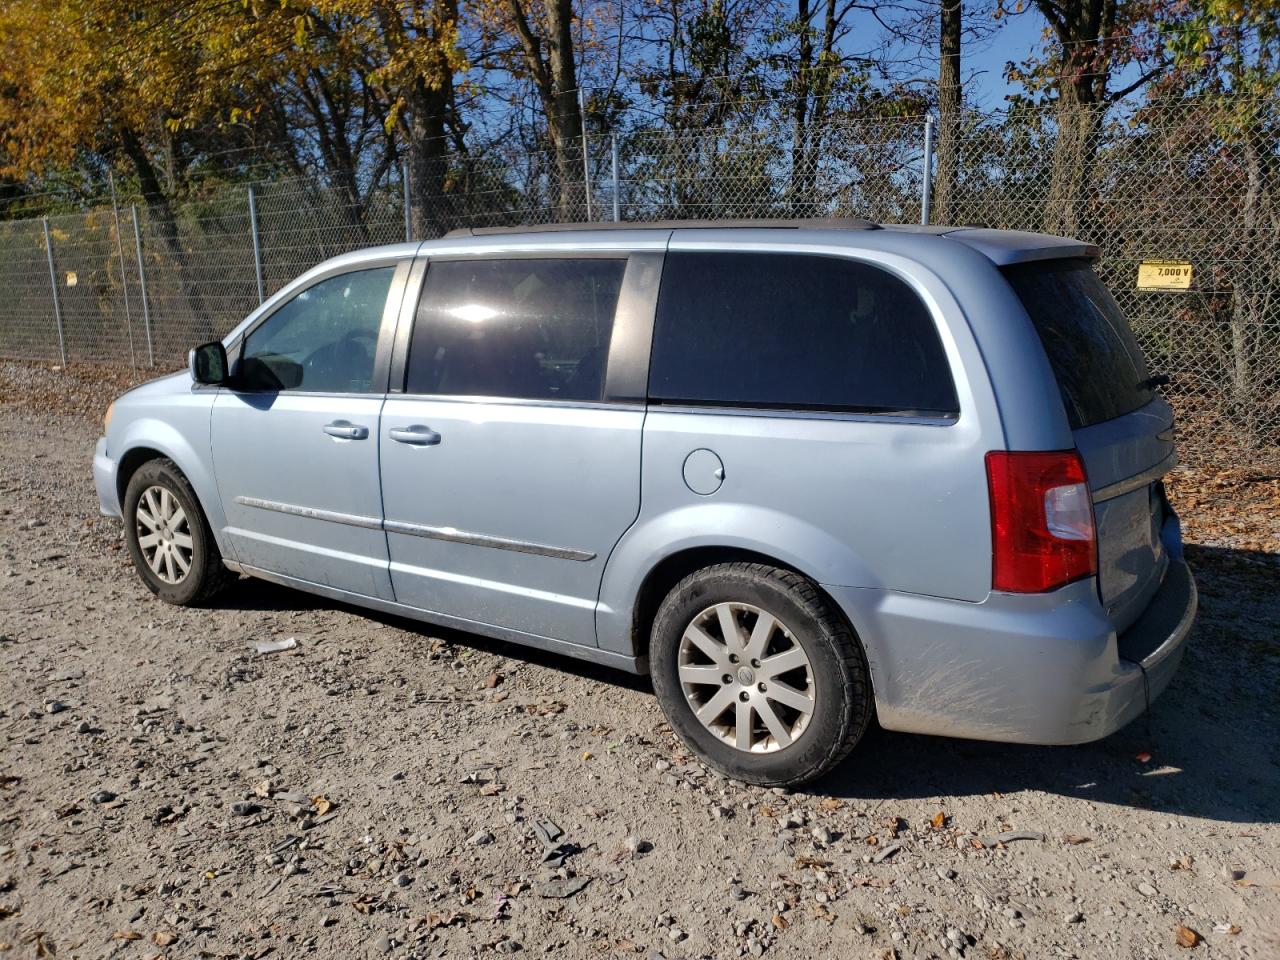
x=671 y=569
x=148 y=440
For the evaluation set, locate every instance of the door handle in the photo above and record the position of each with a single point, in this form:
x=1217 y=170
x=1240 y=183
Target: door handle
x=345 y=430
x=419 y=435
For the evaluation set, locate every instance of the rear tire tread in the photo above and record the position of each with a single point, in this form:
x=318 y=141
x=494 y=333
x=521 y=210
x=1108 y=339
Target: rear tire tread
x=853 y=668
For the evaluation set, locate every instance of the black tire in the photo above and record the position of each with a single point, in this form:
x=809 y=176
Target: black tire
x=206 y=575
x=840 y=678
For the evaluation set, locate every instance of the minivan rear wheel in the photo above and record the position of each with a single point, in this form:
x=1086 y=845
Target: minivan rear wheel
x=169 y=539
x=759 y=674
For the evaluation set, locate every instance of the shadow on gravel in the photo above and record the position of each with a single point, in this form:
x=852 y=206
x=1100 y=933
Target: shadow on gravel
x=250 y=594
x=1211 y=736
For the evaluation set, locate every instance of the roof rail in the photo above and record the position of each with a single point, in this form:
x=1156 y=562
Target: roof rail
x=806 y=223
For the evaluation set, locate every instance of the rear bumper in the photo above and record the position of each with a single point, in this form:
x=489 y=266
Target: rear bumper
x=1043 y=669
x=104 y=480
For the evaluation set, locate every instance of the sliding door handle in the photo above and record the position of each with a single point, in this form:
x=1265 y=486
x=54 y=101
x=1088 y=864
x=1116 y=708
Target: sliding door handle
x=418 y=435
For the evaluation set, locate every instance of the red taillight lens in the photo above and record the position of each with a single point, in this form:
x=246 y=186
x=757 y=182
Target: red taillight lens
x=1042 y=532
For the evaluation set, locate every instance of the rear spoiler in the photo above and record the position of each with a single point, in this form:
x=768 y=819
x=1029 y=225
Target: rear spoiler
x=1005 y=247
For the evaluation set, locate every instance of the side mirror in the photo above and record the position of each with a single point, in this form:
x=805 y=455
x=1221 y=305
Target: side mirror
x=208 y=363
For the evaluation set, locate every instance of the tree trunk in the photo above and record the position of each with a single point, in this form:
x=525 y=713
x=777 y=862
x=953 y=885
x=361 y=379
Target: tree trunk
x=556 y=80
x=1083 y=28
x=431 y=210
x=1079 y=119
x=565 y=121
x=1244 y=295
x=166 y=227
x=949 y=103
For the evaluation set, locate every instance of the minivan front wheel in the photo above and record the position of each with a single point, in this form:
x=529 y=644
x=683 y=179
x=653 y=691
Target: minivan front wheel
x=758 y=673
x=169 y=540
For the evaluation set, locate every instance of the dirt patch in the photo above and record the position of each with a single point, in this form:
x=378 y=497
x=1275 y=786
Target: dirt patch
x=387 y=789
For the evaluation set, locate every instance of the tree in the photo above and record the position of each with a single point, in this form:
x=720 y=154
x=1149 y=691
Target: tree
x=950 y=31
x=544 y=56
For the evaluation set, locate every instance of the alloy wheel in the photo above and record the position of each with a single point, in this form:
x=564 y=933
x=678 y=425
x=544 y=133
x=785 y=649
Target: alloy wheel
x=164 y=534
x=746 y=678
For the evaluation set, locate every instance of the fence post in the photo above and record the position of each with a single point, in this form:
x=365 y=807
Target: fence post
x=53 y=283
x=613 y=159
x=586 y=170
x=257 y=247
x=408 y=211
x=124 y=277
x=142 y=282
x=926 y=179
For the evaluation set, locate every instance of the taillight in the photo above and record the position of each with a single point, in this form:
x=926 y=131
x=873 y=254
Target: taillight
x=1042 y=533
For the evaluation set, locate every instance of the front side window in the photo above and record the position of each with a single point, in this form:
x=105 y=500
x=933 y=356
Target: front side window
x=795 y=331
x=520 y=328
x=323 y=340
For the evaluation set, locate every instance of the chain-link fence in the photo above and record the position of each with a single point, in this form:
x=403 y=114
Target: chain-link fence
x=1192 y=181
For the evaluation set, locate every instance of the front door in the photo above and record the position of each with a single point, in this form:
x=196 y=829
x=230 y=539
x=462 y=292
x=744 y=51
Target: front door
x=295 y=444
x=507 y=476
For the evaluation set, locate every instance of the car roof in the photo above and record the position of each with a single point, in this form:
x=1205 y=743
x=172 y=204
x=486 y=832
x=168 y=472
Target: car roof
x=1001 y=247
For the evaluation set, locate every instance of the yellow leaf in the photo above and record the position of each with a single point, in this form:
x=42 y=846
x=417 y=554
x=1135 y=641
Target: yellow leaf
x=1186 y=937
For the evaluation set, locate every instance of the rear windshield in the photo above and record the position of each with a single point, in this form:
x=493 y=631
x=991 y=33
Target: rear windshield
x=1099 y=366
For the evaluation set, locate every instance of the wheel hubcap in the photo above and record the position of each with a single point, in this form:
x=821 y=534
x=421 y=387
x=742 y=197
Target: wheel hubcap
x=164 y=534
x=746 y=678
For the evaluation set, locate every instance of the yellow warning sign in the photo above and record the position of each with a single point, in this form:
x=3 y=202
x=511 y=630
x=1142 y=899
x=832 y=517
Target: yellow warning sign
x=1164 y=275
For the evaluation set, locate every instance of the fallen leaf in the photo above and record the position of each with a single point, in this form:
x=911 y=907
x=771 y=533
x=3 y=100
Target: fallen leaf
x=436 y=920
x=163 y=938
x=586 y=754
x=819 y=911
x=815 y=862
x=322 y=804
x=780 y=921
x=1075 y=839
x=939 y=820
x=1186 y=937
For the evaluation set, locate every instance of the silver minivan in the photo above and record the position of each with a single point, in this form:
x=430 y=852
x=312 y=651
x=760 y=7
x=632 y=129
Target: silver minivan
x=803 y=473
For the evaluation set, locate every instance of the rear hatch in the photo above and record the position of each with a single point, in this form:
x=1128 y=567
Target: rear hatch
x=1123 y=430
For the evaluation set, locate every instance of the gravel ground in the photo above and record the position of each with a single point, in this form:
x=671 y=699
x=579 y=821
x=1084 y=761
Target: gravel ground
x=390 y=789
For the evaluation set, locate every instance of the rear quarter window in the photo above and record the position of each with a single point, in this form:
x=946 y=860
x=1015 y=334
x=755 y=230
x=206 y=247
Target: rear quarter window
x=795 y=331
x=1098 y=364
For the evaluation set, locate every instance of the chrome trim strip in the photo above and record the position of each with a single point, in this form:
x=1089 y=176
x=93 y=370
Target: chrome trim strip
x=311 y=513
x=1137 y=481
x=448 y=534
x=481 y=540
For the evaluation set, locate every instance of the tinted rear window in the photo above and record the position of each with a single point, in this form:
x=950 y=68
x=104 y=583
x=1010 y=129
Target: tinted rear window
x=1099 y=366
x=795 y=331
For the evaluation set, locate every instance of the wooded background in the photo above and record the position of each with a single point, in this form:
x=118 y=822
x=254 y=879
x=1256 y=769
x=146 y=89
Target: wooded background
x=163 y=166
